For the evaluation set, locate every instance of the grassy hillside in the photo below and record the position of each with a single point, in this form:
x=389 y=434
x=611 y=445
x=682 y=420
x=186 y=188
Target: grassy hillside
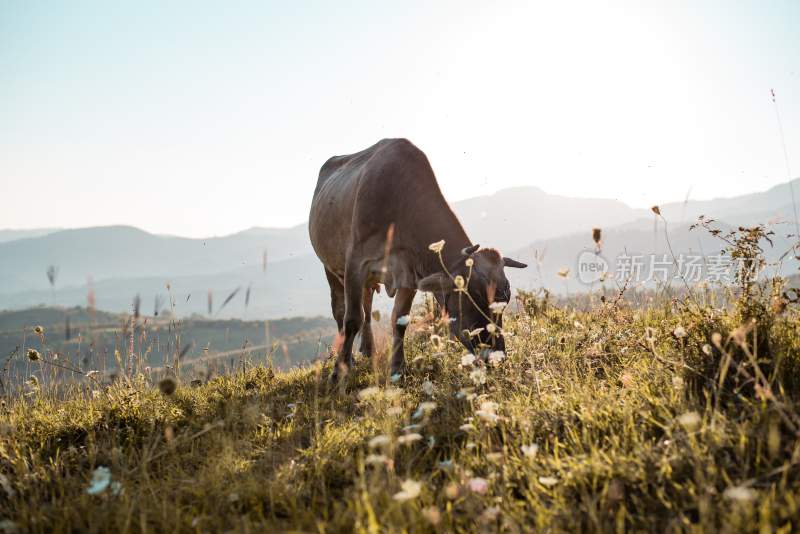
x=676 y=417
x=86 y=340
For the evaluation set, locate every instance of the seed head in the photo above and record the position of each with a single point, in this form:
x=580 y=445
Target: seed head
x=38 y=330
x=459 y=282
x=33 y=355
x=596 y=235
x=656 y=210
x=168 y=385
x=436 y=247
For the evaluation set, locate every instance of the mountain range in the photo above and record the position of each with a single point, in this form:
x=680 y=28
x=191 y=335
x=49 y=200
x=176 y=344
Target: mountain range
x=273 y=272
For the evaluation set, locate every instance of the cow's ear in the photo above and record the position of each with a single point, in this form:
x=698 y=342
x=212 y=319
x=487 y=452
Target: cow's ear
x=435 y=282
x=508 y=262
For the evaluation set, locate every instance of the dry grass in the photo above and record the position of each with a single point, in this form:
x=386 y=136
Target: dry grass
x=602 y=420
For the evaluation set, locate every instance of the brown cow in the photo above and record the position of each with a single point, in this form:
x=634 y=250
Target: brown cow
x=373 y=217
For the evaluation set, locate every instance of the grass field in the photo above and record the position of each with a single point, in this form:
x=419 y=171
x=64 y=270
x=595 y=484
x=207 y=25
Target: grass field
x=677 y=416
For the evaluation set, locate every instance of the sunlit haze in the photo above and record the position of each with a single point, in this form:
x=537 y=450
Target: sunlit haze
x=206 y=118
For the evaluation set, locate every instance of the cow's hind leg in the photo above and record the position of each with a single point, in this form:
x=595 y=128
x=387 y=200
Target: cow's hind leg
x=367 y=341
x=402 y=305
x=337 y=299
x=354 y=279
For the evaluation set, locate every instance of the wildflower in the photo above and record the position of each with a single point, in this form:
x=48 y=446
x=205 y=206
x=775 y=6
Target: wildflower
x=469 y=262
x=409 y=438
x=626 y=379
x=392 y=393
x=92 y=373
x=740 y=494
x=451 y=491
x=101 y=478
x=530 y=450
x=410 y=489
x=409 y=428
x=478 y=377
x=436 y=247
x=379 y=441
x=707 y=349
x=548 y=481
x=490 y=514
x=168 y=386
x=495 y=457
x=563 y=273
x=394 y=411
x=466 y=427
x=498 y=307
x=432 y=515
x=689 y=420
x=475 y=332
x=38 y=330
x=491 y=328
x=478 y=485
x=496 y=356
x=423 y=408
x=427 y=388
x=403 y=320
x=677 y=382
x=233 y=497
x=376 y=459
x=679 y=332
x=436 y=341
x=368 y=393
x=468 y=359
x=33 y=355
x=656 y=210
x=716 y=339
x=459 y=282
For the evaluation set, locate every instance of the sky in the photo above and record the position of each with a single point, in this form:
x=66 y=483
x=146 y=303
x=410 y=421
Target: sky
x=205 y=118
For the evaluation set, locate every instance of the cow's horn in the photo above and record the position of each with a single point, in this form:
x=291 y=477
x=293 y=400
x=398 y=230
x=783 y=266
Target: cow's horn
x=469 y=251
x=508 y=262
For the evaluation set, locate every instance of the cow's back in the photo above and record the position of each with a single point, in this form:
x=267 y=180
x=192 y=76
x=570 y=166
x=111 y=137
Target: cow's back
x=359 y=196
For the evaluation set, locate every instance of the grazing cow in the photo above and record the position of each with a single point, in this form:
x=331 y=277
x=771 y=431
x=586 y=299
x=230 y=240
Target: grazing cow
x=373 y=218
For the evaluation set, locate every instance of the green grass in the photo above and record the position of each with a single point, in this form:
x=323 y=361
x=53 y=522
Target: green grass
x=636 y=429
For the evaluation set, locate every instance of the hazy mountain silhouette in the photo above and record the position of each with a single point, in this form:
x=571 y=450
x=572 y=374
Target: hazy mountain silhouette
x=124 y=261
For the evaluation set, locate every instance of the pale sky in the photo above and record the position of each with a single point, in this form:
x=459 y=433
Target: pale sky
x=205 y=118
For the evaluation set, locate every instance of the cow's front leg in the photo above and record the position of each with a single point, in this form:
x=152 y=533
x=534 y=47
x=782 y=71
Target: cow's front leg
x=402 y=305
x=353 y=319
x=367 y=340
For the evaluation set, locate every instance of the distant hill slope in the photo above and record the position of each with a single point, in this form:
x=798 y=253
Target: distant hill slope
x=13 y=235
x=125 y=252
x=124 y=261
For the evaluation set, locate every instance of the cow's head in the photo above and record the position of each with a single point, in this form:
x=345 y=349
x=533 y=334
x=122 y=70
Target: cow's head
x=477 y=281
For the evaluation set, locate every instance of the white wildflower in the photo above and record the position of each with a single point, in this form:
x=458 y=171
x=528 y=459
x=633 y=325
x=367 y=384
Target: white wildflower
x=548 y=481
x=410 y=489
x=478 y=485
x=468 y=359
x=379 y=441
x=409 y=438
x=427 y=388
x=740 y=494
x=690 y=420
x=101 y=478
x=496 y=356
x=368 y=393
x=436 y=247
x=679 y=332
x=530 y=450
x=498 y=307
